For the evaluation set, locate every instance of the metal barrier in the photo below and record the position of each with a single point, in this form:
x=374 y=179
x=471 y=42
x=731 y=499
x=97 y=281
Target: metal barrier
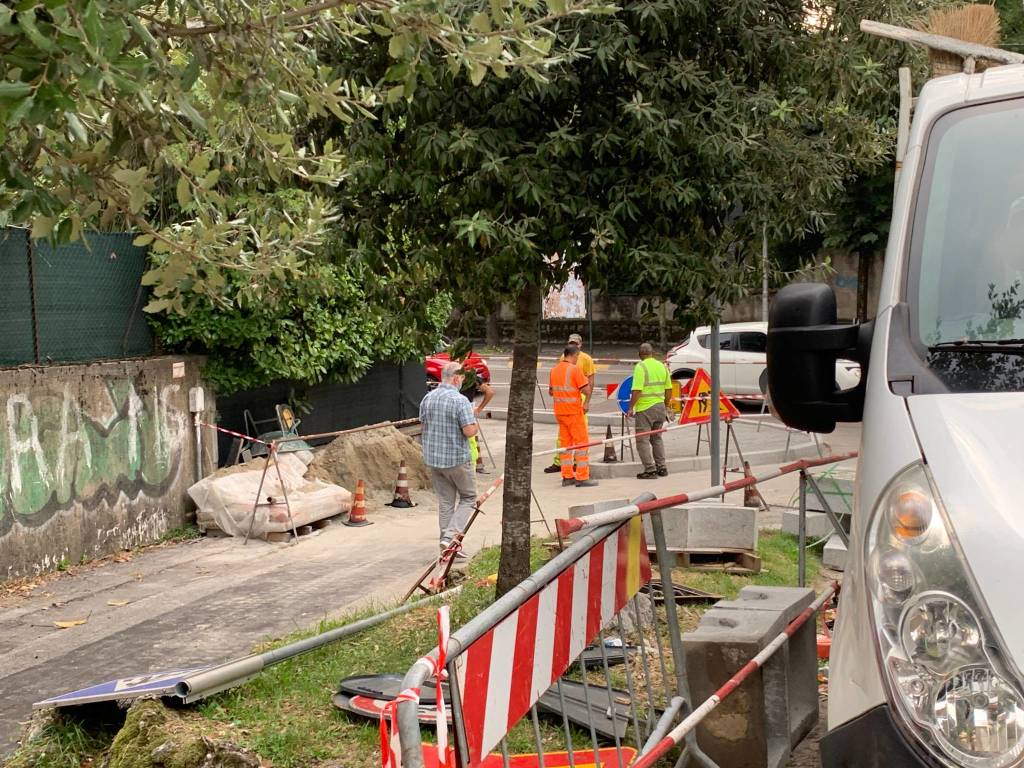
x=528 y=654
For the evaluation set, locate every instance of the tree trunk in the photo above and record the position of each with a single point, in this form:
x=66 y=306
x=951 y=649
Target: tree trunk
x=515 y=520
x=863 y=275
x=493 y=329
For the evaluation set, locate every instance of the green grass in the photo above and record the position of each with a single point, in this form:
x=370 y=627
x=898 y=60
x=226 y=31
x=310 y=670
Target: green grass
x=286 y=716
x=184 y=532
x=63 y=743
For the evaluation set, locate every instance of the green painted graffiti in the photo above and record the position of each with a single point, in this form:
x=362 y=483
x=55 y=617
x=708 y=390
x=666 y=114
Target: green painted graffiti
x=55 y=451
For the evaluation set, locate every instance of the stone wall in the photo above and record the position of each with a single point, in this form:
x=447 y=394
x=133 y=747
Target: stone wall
x=94 y=458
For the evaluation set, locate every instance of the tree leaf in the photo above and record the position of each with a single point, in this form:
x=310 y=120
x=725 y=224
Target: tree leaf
x=143 y=240
x=70 y=623
x=10 y=90
x=42 y=226
x=183 y=191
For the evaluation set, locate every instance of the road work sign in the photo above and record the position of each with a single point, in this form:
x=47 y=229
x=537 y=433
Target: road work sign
x=697 y=401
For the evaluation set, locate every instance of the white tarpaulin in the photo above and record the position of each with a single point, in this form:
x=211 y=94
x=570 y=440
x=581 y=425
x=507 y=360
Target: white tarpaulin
x=225 y=498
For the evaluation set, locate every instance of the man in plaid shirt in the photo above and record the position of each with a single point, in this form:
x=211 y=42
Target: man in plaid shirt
x=448 y=422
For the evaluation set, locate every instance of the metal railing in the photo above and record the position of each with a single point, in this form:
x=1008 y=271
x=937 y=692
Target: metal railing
x=646 y=658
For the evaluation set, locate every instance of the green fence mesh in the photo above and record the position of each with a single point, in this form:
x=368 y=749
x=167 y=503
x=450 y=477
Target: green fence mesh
x=87 y=302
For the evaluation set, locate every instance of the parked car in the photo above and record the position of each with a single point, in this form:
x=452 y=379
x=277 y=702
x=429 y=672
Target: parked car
x=743 y=348
x=927 y=662
x=474 y=363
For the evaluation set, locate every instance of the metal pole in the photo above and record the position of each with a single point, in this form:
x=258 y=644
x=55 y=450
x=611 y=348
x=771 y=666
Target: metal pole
x=764 y=273
x=199 y=445
x=206 y=682
x=590 y=320
x=802 y=532
x=716 y=416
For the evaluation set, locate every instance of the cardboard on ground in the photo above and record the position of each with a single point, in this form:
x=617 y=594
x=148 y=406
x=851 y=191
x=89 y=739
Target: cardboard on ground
x=697 y=405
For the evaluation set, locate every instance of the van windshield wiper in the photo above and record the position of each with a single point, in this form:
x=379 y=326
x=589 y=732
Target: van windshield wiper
x=1010 y=346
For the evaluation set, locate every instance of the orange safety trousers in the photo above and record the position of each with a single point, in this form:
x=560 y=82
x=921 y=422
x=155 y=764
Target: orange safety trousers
x=572 y=430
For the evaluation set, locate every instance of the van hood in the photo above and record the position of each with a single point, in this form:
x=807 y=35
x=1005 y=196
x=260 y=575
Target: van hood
x=974 y=444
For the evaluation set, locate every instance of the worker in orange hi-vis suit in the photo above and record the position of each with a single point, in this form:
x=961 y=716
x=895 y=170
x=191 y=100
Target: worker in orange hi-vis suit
x=571 y=392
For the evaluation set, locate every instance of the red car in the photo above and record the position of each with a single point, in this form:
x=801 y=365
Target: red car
x=473 y=363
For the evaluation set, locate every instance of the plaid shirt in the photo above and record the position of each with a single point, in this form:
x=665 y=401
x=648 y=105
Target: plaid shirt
x=444 y=412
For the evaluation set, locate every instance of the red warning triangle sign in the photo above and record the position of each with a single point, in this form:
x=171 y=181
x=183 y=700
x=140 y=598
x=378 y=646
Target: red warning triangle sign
x=697 y=401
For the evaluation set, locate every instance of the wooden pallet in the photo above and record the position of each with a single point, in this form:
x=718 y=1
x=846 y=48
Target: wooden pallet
x=735 y=561
x=277 y=537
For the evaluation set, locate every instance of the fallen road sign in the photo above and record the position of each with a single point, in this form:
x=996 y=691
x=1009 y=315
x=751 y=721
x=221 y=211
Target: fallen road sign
x=152 y=686
x=697 y=402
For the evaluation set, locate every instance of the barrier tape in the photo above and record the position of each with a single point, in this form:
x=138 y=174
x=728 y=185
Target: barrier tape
x=389 y=738
x=571 y=525
x=610 y=440
x=233 y=433
x=677 y=734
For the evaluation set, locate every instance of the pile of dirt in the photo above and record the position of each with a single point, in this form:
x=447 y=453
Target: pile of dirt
x=372 y=456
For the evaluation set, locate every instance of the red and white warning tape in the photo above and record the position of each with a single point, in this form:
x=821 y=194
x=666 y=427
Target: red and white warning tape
x=571 y=525
x=677 y=734
x=390 y=747
x=610 y=440
x=233 y=433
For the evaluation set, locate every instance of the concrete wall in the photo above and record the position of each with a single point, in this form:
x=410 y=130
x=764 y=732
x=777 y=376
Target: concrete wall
x=94 y=458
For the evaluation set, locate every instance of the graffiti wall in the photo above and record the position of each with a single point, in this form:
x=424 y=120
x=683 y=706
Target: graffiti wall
x=93 y=459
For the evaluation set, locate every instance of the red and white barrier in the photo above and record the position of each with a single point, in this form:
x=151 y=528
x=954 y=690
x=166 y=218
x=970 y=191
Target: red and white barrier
x=571 y=525
x=677 y=734
x=233 y=433
x=503 y=673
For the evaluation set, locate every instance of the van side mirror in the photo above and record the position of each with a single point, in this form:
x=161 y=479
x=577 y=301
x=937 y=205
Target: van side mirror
x=804 y=342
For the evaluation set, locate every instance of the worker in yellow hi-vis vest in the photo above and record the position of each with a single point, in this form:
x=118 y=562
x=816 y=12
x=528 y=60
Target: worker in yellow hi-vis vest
x=649 y=402
x=586 y=364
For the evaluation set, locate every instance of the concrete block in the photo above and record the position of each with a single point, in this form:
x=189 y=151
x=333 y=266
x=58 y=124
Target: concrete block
x=585 y=510
x=836 y=484
x=777 y=706
x=834 y=554
x=818 y=524
x=801 y=678
x=749 y=728
x=707 y=525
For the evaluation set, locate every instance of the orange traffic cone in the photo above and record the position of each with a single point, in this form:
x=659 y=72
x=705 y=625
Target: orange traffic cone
x=402 y=500
x=357 y=517
x=751 y=495
x=609 y=448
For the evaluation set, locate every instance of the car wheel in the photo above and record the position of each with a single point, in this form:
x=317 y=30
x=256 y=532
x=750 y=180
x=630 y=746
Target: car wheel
x=432 y=382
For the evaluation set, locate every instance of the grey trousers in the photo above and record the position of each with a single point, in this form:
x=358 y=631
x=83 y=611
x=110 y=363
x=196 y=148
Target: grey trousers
x=651 y=447
x=456 y=496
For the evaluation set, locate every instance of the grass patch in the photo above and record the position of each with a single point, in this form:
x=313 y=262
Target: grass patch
x=185 y=532
x=63 y=742
x=285 y=714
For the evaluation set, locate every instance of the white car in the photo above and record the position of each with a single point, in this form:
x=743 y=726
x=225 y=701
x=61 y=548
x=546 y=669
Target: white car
x=743 y=348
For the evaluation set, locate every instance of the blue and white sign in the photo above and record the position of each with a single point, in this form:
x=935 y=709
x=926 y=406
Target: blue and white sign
x=152 y=685
x=624 y=393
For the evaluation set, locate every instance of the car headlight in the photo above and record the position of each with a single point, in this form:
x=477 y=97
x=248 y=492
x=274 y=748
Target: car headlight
x=944 y=663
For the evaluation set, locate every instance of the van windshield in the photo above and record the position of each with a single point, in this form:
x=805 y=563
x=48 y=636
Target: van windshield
x=970 y=228
x=967 y=249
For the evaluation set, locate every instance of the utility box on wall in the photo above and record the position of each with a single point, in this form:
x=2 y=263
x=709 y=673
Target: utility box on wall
x=96 y=458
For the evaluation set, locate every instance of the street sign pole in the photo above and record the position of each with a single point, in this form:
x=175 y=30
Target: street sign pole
x=716 y=416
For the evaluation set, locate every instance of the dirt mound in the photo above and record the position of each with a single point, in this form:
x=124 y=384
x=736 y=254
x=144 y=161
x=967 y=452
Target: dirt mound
x=372 y=456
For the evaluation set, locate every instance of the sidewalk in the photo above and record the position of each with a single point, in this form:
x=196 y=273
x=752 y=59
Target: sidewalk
x=210 y=600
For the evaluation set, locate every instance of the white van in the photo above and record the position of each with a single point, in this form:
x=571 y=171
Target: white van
x=927 y=663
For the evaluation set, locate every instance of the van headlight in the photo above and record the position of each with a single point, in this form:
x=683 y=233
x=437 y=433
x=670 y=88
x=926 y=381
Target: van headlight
x=944 y=665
